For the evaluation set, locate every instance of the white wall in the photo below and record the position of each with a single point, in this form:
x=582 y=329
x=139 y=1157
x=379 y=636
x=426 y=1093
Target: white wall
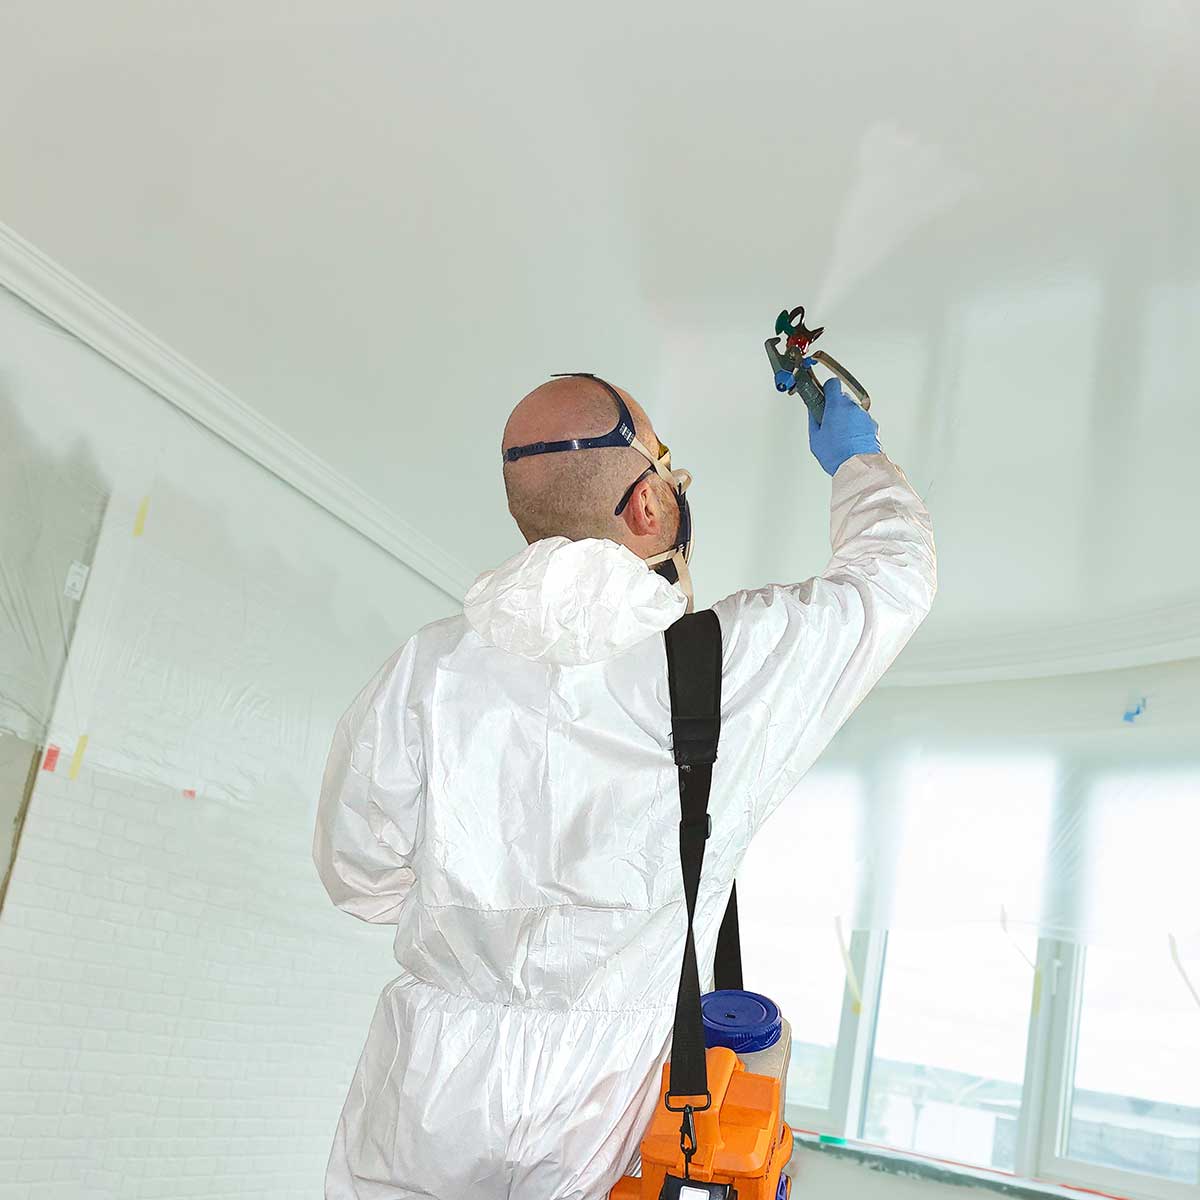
x=180 y=1006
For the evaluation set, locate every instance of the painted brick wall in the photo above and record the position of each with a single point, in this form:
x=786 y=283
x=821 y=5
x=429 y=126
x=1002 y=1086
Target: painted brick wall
x=180 y=1006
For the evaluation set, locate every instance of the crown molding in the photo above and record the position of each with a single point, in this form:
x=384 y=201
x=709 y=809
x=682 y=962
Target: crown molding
x=48 y=287
x=1151 y=635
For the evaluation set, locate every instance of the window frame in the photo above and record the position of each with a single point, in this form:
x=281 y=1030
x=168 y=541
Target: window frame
x=1061 y=1044
x=1055 y=1000
x=855 y=1041
x=1056 y=995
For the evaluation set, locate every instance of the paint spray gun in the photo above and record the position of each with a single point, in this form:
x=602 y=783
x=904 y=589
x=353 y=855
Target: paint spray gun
x=793 y=366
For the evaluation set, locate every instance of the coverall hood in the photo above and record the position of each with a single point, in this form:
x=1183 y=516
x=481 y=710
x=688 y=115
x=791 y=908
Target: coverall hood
x=571 y=603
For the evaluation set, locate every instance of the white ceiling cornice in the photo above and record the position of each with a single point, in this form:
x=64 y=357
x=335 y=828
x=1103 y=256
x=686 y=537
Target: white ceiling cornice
x=1166 y=633
x=45 y=285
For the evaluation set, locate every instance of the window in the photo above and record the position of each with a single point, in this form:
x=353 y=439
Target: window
x=1141 y=828
x=1123 y=1108
x=948 y=1059
x=975 y=1040
x=1135 y=1090
x=809 y=992
x=972 y=831
x=949 y=1055
x=790 y=945
x=948 y=1062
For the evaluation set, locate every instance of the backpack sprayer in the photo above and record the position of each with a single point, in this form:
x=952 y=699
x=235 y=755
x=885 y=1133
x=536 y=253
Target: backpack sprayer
x=794 y=366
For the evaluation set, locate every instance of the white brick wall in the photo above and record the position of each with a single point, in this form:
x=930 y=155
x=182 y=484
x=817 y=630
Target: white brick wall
x=180 y=1007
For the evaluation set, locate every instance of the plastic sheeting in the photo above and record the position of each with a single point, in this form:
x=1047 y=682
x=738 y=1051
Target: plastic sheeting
x=197 y=620
x=51 y=506
x=1067 y=806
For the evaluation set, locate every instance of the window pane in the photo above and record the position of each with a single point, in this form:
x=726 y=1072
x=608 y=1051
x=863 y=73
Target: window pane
x=797 y=876
x=807 y=986
x=949 y=1057
x=1143 y=827
x=1135 y=1104
x=949 y=1054
x=973 y=839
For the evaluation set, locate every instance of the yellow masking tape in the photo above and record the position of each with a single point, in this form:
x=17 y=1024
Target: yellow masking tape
x=847 y=962
x=139 y=522
x=77 y=757
x=1037 y=990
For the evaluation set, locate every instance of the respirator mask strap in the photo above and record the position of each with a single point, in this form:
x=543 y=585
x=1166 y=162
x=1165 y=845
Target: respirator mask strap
x=672 y=564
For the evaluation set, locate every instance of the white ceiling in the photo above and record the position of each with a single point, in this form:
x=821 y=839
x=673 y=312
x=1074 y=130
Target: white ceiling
x=381 y=223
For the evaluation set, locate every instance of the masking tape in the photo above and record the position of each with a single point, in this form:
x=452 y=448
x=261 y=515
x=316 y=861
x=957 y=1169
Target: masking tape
x=139 y=522
x=1037 y=990
x=77 y=757
x=851 y=974
x=1191 y=987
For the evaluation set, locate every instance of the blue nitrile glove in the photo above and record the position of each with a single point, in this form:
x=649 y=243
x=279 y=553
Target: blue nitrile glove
x=845 y=431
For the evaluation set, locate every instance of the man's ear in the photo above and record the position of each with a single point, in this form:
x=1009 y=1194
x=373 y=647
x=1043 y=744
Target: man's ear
x=643 y=514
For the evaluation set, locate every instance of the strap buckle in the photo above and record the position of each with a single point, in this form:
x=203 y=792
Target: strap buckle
x=678 y=1108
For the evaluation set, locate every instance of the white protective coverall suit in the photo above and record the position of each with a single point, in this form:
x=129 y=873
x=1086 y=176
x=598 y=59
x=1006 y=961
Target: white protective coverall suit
x=504 y=792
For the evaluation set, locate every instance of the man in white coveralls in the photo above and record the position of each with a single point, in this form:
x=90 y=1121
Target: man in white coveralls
x=504 y=793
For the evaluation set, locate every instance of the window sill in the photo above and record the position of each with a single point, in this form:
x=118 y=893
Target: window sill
x=929 y=1170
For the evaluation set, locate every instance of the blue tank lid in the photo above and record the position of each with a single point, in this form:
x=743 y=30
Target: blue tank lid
x=745 y=1022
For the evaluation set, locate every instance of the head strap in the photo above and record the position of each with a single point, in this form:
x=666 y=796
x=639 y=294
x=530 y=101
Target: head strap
x=621 y=434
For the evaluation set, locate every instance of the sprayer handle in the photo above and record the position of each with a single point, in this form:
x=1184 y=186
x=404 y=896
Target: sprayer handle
x=811 y=392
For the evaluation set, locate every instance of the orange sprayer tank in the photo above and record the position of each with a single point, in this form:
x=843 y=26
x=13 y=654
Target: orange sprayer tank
x=741 y=1139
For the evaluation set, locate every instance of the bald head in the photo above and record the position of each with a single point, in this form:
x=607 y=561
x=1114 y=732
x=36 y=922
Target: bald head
x=573 y=494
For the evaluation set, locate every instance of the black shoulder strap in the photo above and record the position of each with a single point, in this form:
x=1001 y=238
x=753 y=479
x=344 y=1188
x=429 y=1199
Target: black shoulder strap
x=694 y=673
